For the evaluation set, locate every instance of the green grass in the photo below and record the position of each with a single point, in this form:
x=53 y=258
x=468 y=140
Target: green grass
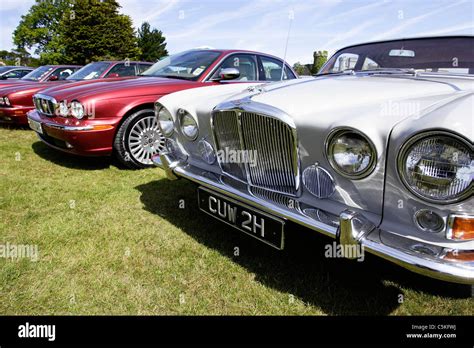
x=114 y=241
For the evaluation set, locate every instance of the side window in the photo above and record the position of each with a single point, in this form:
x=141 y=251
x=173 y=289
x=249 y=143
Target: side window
x=141 y=68
x=62 y=73
x=23 y=72
x=369 y=64
x=15 y=74
x=245 y=63
x=122 y=70
x=272 y=70
x=345 y=61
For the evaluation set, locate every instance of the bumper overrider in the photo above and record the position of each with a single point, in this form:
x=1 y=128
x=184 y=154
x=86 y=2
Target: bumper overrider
x=85 y=137
x=354 y=229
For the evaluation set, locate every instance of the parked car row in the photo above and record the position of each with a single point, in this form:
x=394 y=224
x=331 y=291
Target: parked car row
x=375 y=151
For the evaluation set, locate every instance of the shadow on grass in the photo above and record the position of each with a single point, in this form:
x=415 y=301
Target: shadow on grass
x=14 y=126
x=337 y=286
x=69 y=160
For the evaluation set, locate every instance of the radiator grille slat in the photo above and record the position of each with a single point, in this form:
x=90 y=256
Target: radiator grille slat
x=46 y=106
x=271 y=143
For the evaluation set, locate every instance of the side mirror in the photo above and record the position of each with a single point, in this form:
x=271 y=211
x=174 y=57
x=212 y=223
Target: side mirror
x=114 y=75
x=227 y=74
x=53 y=78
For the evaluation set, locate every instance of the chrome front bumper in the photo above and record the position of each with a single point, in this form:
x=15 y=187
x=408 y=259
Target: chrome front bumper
x=354 y=229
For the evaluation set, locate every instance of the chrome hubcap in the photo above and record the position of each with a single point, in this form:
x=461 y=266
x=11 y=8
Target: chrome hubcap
x=145 y=140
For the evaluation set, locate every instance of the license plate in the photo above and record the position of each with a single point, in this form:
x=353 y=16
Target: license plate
x=255 y=223
x=36 y=126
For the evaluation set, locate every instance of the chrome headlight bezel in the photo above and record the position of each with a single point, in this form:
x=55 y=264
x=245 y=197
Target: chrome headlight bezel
x=408 y=145
x=158 y=109
x=184 y=117
x=329 y=153
x=77 y=109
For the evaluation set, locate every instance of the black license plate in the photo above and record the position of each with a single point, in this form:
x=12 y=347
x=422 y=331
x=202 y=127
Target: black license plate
x=256 y=223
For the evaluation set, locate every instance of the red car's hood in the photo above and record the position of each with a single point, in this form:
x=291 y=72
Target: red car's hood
x=6 y=83
x=28 y=87
x=109 y=89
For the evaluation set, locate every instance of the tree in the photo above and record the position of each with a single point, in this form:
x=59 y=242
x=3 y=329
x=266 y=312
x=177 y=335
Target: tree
x=301 y=69
x=151 y=43
x=320 y=57
x=40 y=26
x=95 y=30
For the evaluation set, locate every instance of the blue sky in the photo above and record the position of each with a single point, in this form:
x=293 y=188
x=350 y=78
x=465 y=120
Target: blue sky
x=263 y=24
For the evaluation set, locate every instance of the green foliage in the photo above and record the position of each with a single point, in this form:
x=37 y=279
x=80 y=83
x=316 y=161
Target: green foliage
x=18 y=57
x=320 y=57
x=40 y=26
x=77 y=31
x=301 y=69
x=151 y=43
x=95 y=30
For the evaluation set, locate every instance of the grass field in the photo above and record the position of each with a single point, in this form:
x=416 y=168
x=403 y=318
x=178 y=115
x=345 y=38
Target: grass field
x=114 y=241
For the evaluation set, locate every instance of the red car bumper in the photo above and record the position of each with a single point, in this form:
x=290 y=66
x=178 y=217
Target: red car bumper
x=92 y=137
x=15 y=114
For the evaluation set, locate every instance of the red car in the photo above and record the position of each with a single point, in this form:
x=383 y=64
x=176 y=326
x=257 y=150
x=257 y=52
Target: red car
x=117 y=117
x=16 y=101
x=42 y=74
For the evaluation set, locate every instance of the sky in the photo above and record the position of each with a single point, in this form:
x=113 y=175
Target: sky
x=263 y=25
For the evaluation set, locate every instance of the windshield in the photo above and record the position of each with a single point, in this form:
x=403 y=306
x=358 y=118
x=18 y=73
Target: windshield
x=90 y=71
x=188 y=65
x=38 y=73
x=443 y=55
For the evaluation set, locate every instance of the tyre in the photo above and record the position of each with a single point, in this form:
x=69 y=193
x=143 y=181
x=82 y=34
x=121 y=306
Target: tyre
x=138 y=139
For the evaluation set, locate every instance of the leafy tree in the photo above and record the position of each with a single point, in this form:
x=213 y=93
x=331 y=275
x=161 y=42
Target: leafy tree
x=301 y=69
x=18 y=57
x=151 y=43
x=40 y=26
x=94 y=30
x=320 y=57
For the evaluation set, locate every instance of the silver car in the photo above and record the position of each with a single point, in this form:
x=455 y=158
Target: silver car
x=375 y=151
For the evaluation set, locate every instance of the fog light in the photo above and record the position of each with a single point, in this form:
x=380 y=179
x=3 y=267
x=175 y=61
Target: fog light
x=318 y=181
x=429 y=221
x=207 y=152
x=460 y=227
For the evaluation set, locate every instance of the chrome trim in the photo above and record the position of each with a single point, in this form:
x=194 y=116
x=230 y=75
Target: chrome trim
x=329 y=156
x=269 y=112
x=68 y=128
x=164 y=162
x=353 y=227
x=415 y=220
x=311 y=187
x=156 y=108
x=375 y=242
x=450 y=223
x=181 y=113
x=42 y=104
x=401 y=161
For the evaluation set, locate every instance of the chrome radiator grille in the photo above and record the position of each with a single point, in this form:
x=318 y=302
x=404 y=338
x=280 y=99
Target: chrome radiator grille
x=272 y=141
x=45 y=105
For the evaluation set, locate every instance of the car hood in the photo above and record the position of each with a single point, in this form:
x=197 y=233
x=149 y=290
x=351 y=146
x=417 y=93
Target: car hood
x=371 y=104
x=28 y=87
x=109 y=89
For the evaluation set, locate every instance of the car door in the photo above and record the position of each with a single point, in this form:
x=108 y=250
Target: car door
x=246 y=64
x=271 y=69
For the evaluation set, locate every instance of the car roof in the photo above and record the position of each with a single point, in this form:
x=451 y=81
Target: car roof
x=63 y=65
x=408 y=39
x=122 y=61
x=15 y=67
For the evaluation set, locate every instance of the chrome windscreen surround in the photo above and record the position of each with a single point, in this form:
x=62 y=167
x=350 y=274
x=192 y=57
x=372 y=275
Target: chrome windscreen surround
x=45 y=104
x=268 y=133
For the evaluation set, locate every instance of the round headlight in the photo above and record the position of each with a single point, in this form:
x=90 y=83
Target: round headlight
x=189 y=125
x=7 y=101
x=437 y=166
x=165 y=120
x=77 y=110
x=351 y=153
x=63 y=109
